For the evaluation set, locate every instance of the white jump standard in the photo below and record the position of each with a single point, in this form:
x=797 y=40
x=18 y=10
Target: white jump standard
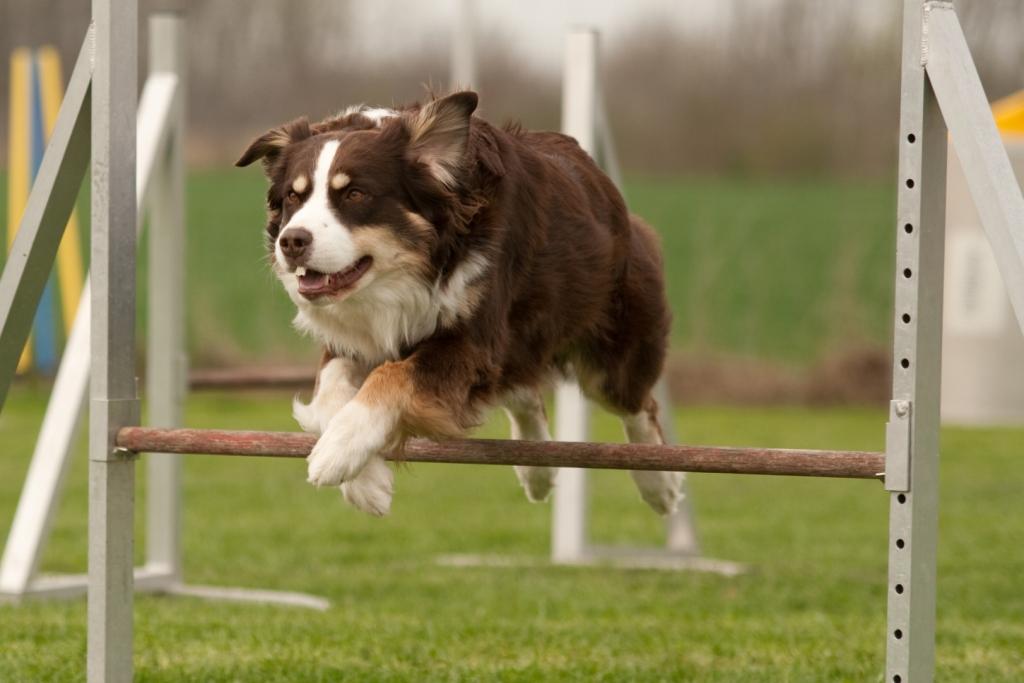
x=937 y=72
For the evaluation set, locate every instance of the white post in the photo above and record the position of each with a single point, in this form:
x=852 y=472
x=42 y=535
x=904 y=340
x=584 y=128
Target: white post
x=912 y=436
x=579 y=107
x=113 y=397
x=166 y=370
x=680 y=530
x=463 y=46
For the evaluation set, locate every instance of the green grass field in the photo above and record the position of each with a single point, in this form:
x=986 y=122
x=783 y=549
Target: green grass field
x=782 y=270
x=779 y=270
x=812 y=608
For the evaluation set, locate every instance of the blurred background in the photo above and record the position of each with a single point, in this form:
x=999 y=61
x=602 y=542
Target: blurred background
x=758 y=136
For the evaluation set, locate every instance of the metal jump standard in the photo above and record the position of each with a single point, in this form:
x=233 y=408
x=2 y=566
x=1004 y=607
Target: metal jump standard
x=940 y=88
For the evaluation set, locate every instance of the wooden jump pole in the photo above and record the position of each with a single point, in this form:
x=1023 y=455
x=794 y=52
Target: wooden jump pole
x=731 y=460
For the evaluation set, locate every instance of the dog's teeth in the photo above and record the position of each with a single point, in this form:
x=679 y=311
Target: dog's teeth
x=300 y=271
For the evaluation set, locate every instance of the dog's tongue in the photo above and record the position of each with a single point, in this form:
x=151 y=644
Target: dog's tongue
x=313 y=279
x=313 y=283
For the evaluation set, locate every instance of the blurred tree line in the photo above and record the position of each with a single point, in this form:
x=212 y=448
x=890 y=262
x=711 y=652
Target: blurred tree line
x=795 y=87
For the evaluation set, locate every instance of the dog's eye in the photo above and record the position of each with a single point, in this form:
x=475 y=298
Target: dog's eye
x=292 y=197
x=355 y=195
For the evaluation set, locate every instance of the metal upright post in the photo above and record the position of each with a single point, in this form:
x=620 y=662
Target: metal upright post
x=912 y=439
x=463 y=46
x=166 y=364
x=569 y=509
x=113 y=399
x=680 y=529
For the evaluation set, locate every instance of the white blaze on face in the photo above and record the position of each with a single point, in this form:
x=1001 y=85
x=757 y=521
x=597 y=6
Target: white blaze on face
x=332 y=247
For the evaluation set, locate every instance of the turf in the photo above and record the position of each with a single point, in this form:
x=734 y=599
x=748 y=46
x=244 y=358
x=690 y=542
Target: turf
x=812 y=608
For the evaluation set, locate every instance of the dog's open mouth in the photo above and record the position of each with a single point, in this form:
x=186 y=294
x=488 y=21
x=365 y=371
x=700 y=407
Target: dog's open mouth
x=314 y=284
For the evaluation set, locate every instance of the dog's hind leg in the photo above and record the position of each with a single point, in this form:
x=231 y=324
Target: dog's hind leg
x=660 y=490
x=620 y=367
x=526 y=414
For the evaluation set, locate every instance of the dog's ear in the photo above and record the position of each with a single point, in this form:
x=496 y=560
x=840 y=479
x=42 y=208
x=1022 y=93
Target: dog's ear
x=438 y=134
x=269 y=145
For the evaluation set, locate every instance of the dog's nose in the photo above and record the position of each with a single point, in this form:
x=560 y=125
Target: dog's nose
x=295 y=245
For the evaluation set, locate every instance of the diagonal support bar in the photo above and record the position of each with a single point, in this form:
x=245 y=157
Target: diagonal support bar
x=46 y=214
x=965 y=107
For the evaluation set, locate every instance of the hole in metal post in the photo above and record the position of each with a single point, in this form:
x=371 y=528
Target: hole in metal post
x=904 y=363
x=896 y=679
x=899 y=588
x=898 y=633
x=908 y=228
x=907 y=272
x=910 y=183
x=906 y=317
x=911 y=138
x=902 y=498
x=900 y=543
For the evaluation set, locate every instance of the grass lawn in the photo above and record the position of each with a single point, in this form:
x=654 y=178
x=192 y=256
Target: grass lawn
x=786 y=270
x=812 y=609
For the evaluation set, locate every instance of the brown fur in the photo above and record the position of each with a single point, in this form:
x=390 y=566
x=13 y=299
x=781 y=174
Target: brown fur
x=574 y=283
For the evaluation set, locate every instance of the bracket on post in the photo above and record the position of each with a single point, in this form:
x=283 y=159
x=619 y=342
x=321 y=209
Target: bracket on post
x=897 y=446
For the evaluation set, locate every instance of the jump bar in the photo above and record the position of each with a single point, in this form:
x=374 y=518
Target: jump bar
x=777 y=461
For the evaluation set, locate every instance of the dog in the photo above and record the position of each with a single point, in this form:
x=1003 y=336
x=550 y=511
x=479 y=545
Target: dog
x=447 y=265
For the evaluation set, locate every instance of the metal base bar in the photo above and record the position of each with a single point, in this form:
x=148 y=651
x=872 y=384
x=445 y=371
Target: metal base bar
x=160 y=581
x=60 y=586
x=254 y=595
x=618 y=557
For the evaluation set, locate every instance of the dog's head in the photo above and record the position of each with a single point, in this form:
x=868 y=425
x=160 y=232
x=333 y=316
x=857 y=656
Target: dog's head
x=363 y=197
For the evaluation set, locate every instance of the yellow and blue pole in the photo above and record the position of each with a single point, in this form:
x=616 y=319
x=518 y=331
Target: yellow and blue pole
x=36 y=94
x=18 y=158
x=45 y=346
x=70 y=273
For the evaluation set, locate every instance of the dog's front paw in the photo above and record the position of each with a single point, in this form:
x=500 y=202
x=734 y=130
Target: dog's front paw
x=353 y=436
x=372 y=490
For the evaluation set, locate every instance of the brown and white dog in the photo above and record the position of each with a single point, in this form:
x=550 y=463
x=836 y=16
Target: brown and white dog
x=447 y=265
